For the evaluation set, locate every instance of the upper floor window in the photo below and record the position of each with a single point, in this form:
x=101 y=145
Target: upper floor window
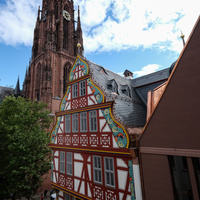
x=75 y=122
x=83 y=121
x=82 y=88
x=67 y=123
x=93 y=120
x=62 y=161
x=69 y=163
x=109 y=171
x=97 y=169
x=75 y=90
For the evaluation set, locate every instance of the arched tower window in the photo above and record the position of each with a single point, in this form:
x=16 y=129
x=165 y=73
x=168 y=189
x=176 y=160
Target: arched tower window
x=38 y=82
x=66 y=71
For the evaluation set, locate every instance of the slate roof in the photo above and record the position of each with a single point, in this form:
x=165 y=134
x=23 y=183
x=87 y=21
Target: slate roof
x=129 y=107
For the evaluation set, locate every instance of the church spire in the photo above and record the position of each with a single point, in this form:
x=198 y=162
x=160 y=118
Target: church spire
x=17 y=89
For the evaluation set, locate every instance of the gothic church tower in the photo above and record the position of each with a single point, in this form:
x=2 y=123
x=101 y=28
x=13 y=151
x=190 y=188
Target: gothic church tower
x=54 y=50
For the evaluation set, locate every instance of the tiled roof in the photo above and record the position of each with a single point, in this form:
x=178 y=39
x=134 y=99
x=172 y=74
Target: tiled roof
x=129 y=107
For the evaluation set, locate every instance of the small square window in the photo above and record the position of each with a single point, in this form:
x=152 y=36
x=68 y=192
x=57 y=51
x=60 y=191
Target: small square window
x=75 y=122
x=93 y=120
x=83 y=122
x=82 y=88
x=75 y=90
x=67 y=123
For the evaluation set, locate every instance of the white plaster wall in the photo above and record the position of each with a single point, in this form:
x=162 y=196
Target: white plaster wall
x=78 y=167
x=78 y=156
x=55 y=153
x=89 y=90
x=115 y=145
x=122 y=177
x=121 y=163
x=137 y=182
x=56 y=163
x=89 y=171
x=82 y=189
x=76 y=184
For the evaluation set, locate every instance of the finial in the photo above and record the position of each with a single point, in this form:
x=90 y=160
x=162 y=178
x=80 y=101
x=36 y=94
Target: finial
x=182 y=37
x=79 y=48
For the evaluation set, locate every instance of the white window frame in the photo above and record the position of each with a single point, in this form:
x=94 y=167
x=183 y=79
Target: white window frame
x=75 y=90
x=93 y=121
x=82 y=88
x=67 y=123
x=97 y=169
x=109 y=172
x=83 y=122
x=75 y=122
x=62 y=162
x=69 y=163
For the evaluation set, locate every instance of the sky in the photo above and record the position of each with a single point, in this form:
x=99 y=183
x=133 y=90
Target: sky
x=142 y=36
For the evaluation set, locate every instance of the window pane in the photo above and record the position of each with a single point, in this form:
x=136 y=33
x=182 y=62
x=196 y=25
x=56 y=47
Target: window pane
x=180 y=178
x=67 y=123
x=196 y=164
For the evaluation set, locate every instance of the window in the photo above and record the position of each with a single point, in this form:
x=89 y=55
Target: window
x=82 y=88
x=93 y=120
x=83 y=122
x=75 y=90
x=67 y=197
x=62 y=162
x=196 y=164
x=180 y=178
x=67 y=123
x=109 y=171
x=97 y=169
x=75 y=122
x=69 y=163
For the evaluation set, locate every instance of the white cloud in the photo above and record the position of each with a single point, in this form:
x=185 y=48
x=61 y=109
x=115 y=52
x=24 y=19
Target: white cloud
x=17 y=21
x=146 y=70
x=110 y=24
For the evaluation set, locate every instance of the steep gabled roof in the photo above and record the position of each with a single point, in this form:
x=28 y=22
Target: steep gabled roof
x=128 y=109
x=175 y=121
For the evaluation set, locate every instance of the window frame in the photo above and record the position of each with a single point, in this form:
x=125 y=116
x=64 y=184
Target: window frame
x=93 y=120
x=75 y=123
x=69 y=164
x=62 y=161
x=82 y=89
x=68 y=122
x=109 y=171
x=82 y=118
x=75 y=90
x=97 y=169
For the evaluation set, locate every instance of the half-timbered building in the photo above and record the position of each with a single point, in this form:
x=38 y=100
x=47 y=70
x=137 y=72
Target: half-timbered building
x=94 y=141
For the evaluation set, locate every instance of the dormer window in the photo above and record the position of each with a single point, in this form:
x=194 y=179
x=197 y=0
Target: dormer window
x=112 y=86
x=125 y=90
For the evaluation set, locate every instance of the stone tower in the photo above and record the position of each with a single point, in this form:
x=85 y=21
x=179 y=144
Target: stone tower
x=54 y=50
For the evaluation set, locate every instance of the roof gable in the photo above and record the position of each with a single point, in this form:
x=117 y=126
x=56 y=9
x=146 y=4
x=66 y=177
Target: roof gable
x=175 y=121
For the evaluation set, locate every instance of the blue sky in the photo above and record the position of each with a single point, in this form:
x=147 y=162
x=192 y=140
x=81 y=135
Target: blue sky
x=142 y=36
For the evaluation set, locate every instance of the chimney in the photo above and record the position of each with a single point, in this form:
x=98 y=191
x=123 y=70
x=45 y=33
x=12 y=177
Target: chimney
x=128 y=74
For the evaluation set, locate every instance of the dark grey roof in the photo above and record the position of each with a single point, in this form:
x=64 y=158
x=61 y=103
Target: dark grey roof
x=127 y=109
x=151 y=78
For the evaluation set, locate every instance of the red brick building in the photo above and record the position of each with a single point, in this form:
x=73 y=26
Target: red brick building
x=54 y=51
